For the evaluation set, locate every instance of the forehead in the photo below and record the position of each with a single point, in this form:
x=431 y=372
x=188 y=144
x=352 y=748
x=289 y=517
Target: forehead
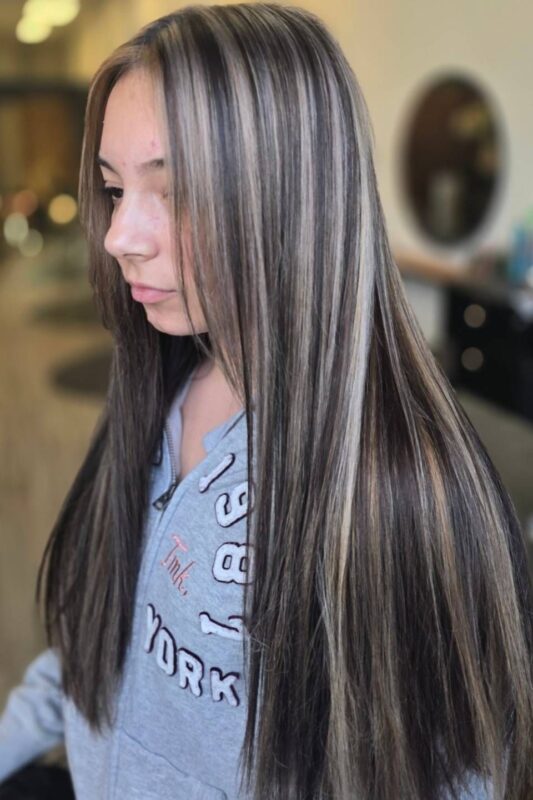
x=132 y=129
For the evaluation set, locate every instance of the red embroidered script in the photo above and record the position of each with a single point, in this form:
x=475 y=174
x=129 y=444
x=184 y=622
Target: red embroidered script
x=174 y=565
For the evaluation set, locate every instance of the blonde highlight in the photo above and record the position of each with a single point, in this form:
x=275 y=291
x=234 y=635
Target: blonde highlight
x=390 y=640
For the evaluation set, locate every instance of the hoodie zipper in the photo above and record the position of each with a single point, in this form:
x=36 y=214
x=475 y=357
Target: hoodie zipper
x=163 y=500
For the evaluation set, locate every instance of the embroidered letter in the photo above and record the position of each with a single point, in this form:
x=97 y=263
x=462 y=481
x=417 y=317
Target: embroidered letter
x=166 y=652
x=210 y=625
x=232 y=563
x=206 y=480
x=230 y=508
x=222 y=686
x=153 y=621
x=178 y=571
x=178 y=545
x=191 y=671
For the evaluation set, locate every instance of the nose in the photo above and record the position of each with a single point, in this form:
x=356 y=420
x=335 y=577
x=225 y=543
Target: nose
x=130 y=235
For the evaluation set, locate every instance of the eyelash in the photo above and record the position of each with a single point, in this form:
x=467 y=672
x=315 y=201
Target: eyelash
x=109 y=192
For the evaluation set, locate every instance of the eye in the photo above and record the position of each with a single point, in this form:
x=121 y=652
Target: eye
x=114 y=192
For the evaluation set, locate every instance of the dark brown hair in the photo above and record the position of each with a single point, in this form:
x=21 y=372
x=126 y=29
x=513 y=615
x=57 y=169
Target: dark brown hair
x=389 y=649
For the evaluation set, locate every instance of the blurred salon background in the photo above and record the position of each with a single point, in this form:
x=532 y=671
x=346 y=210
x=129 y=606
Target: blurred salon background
x=447 y=89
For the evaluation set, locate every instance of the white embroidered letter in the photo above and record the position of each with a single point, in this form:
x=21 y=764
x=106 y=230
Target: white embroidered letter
x=191 y=671
x=210 y=625
x=222 y=686
x=232 y=507
x=206 y=480
x=153 y=621
x=166 y=652
x=233 y=563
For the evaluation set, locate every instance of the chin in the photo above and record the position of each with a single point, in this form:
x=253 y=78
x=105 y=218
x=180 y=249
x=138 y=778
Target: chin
x=173 y=324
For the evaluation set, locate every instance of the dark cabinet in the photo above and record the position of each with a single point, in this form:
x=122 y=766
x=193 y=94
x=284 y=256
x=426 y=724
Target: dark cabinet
x=489 y=347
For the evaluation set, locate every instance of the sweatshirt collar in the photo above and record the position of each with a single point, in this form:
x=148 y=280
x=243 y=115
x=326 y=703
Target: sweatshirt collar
x=215 y=435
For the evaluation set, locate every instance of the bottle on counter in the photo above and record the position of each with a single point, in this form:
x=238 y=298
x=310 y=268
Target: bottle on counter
x=520 y=263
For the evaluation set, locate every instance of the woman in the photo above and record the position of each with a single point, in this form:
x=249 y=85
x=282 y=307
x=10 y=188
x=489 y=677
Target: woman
x=344 y=594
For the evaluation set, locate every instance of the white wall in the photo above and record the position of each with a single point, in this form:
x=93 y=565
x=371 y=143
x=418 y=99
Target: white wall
x=399 y=44
x=396 y=47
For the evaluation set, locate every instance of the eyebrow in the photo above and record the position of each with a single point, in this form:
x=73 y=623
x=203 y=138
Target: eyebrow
x=146 y=166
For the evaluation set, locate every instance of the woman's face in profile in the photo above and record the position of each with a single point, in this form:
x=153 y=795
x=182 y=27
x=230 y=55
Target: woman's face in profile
x=134 y=167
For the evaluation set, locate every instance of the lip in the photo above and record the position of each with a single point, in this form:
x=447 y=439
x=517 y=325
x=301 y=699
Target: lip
x=149 y=294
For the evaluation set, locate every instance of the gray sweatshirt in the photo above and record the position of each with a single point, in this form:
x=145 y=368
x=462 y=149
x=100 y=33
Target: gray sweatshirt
x=180 y=712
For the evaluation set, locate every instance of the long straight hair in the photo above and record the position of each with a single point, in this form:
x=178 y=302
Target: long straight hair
x=389 y=624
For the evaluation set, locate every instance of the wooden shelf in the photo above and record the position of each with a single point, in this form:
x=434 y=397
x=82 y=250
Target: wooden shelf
x=432 y=270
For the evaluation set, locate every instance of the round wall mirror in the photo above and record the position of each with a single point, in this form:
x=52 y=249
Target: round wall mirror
x=452 y=160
